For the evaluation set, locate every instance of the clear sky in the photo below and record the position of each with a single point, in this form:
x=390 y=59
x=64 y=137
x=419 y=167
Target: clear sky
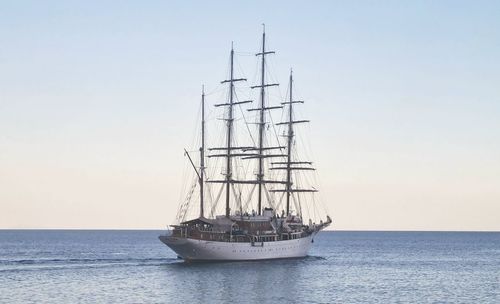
x=98 y=99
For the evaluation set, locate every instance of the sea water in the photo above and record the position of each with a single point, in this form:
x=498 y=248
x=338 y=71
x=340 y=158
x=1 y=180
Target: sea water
x=63 y=266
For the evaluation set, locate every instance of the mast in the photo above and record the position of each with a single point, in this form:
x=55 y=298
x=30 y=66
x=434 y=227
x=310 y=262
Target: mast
x=260 y=176
x=289 y=148
x=290 y=165
x=262 y=117
x=228 y=148
x=202 y=150
x=229 y=132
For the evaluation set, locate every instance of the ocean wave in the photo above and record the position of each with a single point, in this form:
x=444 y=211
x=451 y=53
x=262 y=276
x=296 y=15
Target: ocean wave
x=61 y=263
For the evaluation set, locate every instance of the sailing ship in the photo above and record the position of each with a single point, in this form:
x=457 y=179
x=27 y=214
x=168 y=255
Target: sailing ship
x=258 y=180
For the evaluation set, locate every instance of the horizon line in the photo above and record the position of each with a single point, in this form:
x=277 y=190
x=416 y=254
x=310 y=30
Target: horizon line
x=159 y=229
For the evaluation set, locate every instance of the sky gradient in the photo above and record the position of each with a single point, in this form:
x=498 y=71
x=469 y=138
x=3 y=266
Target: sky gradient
x=99 y=98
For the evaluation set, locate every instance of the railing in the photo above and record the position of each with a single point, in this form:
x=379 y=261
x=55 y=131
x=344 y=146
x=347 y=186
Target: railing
x=255 y=240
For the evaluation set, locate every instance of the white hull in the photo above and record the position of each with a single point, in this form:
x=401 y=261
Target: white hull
x=192 y=249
